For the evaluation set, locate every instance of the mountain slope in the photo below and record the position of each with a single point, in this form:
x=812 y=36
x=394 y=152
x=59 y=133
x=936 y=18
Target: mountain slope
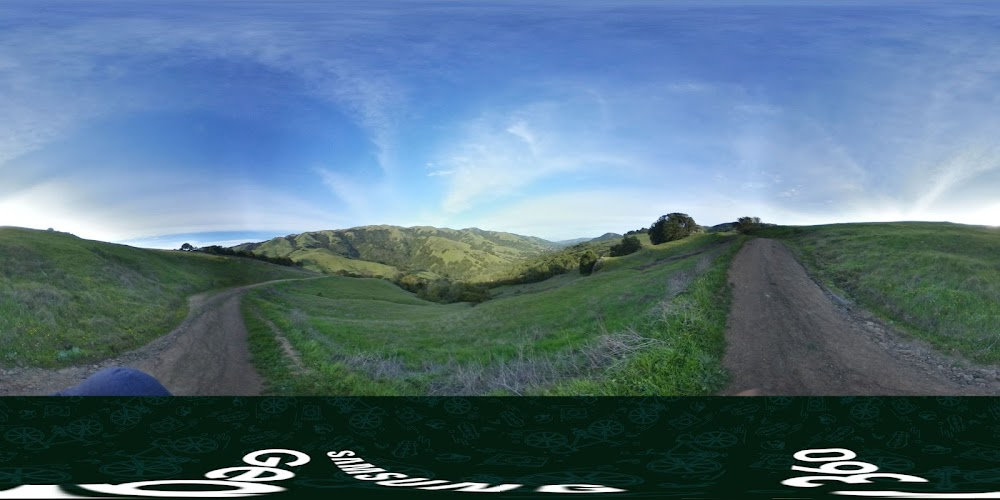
x=390 y=251
x=364 y=337
x=64 y=299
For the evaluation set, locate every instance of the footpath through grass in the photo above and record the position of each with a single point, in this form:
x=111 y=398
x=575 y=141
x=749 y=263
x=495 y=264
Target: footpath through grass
x=939 y=281
x=67 y=300
x=648 y=323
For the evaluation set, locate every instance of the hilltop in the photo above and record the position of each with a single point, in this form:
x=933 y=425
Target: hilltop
x=917 y=300
x=391 y=251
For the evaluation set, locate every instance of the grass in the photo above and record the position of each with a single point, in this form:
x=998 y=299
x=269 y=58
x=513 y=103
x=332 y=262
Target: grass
x=938 y=281
x=325 y=261
x=465 y=255
x=676 y=350
x=66 y=300
x=368 y=337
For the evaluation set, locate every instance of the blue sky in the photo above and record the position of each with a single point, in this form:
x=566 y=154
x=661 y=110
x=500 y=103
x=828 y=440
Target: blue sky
x=156 y=123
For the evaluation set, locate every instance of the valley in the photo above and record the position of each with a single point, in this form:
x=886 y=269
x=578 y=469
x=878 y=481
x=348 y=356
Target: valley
x=657 y=321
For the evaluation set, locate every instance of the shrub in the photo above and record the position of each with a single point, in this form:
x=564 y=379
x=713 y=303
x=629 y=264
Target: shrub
x=746 y=225
x=629 y=244
x=587 y=261
x=671 y=227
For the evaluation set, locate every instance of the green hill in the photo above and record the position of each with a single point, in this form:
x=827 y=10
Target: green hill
x=64 y=299
x=938 y=281
x=391 y=251
x=577 y=241
x=647 y=323
x=553 y=263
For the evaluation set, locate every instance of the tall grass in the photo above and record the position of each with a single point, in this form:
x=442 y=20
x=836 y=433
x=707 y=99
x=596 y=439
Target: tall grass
x=65 y=300
x=938 y=281
x=375 y=338
x=677 y=349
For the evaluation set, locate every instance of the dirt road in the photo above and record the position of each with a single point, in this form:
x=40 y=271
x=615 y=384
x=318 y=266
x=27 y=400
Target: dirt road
x=207 y=355
x=787 y=336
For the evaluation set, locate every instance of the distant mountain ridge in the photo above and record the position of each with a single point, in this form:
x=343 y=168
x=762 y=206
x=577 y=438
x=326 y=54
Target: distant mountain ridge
x=392 y=251
x=576 y=241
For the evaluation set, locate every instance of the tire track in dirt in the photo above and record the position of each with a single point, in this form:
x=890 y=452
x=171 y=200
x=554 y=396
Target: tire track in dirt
x=206 y=355
x=785 y=336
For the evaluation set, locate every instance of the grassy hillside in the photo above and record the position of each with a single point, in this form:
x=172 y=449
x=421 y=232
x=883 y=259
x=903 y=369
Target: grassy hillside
x=467 y=254
x=64 y=299
x=629 y=328
x=326 y=261
x=551 y=263
x=939 y=281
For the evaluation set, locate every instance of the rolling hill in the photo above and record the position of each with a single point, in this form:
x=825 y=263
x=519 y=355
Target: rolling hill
x=392 y=251
x=577 y=241
x=64 y=299
x=646 y=323
x=938 y=281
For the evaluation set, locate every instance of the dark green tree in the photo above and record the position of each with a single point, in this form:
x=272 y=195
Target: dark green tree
x=671 y=227
x=746 y=225
x=587 y=261
x=187 y=247
x=629 y=244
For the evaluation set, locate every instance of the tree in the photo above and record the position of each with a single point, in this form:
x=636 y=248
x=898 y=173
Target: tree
x=747 y=224
x=187 y=247
x=587 y=261
x=629 y=244
x=671 y=227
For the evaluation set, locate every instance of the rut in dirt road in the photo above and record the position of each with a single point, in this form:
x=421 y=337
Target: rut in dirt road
x=785 y=337
x=207 y=355
x=210 y=358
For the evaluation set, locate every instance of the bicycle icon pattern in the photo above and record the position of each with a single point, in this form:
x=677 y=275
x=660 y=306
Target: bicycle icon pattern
x=641 y=444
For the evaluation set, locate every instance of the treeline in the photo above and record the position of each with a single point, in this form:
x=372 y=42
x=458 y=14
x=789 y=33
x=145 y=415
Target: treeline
x=219 y=250
x=442 y=290
x=586 y=256
x=546 y=266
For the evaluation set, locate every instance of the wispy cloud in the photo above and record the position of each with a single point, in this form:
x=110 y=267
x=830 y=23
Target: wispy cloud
x=520 y=130
x=161 y=205
x=592 y=212
x=61 y=77
x=547 y=144
x=868 y=111
x=961 y=168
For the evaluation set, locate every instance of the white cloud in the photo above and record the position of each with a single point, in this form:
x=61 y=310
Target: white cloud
x=60 y=78
x=583 y=213
x=520 y=130
x=963 y=166
x=903 y=132
x=372 y=201
x=118 y=212
x=758 y=109
x=353 y=194
x=688 y=87
x=790 y=193
x=541 y=145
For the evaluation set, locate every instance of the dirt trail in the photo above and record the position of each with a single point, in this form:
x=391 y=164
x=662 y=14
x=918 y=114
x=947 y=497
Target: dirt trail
x=787 y=336
x=207 y=355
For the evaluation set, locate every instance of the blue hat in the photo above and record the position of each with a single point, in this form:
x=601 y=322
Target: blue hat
x=117 y=381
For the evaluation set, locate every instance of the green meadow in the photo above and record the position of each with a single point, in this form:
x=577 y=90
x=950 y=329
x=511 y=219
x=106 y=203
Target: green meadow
x=652 y=322
x=648 y=323
x=939 y=282
x=66 y=300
